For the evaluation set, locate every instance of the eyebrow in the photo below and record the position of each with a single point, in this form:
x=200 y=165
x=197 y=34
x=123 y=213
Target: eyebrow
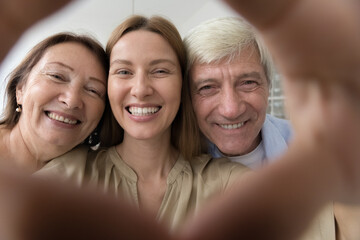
x=120 y=61
x=163 y=60
x=249 y=74
x=72 y=69
x=61 y=64
x=154 y=62
x=239 y=77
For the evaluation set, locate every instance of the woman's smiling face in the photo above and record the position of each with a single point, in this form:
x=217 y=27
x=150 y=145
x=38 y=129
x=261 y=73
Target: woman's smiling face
x=63 y=97
x=145 y=83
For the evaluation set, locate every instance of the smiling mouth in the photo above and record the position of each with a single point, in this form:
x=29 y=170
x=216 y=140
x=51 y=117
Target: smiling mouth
x=232 y=126
x=62 y=119
x=137 y=111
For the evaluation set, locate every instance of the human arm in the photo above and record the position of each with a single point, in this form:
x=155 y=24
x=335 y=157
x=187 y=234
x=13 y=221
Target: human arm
x=15 y=18
x=308 y=38
x=275 y=203
x=316 y=45
x=34 y=208
x=278 y=202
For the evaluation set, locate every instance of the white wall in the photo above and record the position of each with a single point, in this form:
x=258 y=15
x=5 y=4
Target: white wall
x=100 y=17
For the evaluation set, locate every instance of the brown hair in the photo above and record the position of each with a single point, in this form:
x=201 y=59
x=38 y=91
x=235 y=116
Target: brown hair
x=20 y=74
x=184 y=131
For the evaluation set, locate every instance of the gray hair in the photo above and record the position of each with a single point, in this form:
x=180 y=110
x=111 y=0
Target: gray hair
x=224 y=38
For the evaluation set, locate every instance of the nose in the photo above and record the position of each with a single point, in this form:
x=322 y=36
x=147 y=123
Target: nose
x=142 y=86
x=71 y=97
x=231 y=105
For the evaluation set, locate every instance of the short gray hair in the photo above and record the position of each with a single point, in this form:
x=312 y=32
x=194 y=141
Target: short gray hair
x=224 y=38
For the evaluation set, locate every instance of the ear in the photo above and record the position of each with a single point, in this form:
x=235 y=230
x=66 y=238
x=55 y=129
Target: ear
x=20 y=93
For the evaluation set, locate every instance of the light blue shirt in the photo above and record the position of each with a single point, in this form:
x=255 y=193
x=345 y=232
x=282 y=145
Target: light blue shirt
x=276 y=134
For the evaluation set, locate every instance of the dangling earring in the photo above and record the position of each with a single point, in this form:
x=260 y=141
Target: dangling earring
x=94 y=140
x=18 y=108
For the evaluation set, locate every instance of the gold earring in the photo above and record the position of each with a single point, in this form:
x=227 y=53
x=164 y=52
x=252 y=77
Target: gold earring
x=18 y=108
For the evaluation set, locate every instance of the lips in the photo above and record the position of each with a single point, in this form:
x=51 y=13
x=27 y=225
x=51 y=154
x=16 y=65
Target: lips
x=62 y=119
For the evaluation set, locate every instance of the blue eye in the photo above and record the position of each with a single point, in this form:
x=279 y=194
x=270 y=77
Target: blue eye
x=123 y=72
x=204 y=88
x=160 y=72
x=207 y=90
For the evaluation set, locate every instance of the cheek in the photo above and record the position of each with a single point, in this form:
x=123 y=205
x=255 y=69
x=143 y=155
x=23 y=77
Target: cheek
x=35 y=99
x=201 y=107
x=169 y=90
x=115 y=92
x=258 y=101
x=40 y=92
x=96 y=110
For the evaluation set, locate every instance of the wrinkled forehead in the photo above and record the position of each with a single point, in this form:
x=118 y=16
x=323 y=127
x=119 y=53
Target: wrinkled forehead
x=73 y=56
x=248 y=55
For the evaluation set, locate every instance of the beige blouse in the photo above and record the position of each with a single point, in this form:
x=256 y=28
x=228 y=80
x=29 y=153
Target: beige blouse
x=189 y=184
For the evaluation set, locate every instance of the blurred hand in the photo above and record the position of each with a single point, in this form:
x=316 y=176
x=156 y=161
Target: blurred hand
x=18 y=15
x=316 y=47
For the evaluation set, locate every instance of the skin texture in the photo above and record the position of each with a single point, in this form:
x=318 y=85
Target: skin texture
x=62 y=101
x=144 y=73
x=75 y=86
x=233 y=93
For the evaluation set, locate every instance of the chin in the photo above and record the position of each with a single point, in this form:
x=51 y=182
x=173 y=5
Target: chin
x=62 y=142
x=232 y=150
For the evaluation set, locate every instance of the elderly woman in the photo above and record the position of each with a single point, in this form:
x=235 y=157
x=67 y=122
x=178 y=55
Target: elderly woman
x=55 y=100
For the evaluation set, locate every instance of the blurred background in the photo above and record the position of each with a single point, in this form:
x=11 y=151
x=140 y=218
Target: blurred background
x=99 y=17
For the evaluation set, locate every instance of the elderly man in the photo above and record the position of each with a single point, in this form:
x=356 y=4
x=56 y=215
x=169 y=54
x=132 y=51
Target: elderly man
x=230 y=73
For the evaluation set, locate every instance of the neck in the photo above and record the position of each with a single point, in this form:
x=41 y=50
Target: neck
x=24 y=152
x=148 y=158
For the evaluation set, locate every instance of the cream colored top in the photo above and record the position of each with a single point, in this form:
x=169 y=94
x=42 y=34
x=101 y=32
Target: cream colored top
x=189 y=184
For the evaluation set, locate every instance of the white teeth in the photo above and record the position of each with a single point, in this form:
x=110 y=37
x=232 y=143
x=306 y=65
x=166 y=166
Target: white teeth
x=143 y=111
x=61 y=118
x=231 y=126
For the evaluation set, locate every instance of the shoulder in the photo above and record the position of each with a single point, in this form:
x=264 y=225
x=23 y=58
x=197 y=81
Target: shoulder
x=218 y=168
x=278 y=122
x=67 y=166
x=323 y=225
x=76 y=156
x=102 y=154
x=100 y=159
x=282 y=125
